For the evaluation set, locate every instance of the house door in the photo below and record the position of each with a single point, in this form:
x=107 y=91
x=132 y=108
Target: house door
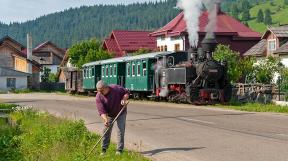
x=11 y=83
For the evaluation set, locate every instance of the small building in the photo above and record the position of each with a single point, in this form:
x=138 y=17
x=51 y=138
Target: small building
x=274 y=42
x=13 y=79
x=48 y=55
x=12 y=59
x=70 y=76
x=121 y=42
x=228 y=31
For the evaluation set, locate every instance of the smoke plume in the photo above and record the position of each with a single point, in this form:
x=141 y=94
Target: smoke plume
x=212 y=10
x=192 y=12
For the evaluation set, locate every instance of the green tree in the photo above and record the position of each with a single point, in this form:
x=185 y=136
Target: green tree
x=285 y=2
x=87 y=51
x=45 y=74
x=260 y=16
x=224 y=53
x=235 y=11
x=142 y=51
x=246 y=66
x=268 y=18
x=246 y=15
x=52 y=78
x=266 y=69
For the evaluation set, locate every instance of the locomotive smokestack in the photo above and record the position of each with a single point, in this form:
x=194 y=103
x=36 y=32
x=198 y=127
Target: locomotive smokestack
x=209 y=45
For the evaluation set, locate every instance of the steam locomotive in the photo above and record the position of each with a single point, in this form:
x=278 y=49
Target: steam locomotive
x=193 y=76
x=200 y=80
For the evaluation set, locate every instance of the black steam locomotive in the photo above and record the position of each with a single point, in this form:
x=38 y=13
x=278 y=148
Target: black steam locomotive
x=197 y=79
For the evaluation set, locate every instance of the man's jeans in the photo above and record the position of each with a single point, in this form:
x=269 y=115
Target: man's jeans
x=121 y=122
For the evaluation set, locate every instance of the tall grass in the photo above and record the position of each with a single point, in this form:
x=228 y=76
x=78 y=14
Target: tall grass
x=44 y=137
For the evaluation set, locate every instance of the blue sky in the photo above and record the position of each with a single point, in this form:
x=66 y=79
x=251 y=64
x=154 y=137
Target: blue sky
x=23 y=10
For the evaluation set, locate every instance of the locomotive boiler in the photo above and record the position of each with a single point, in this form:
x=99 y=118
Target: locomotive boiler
x=200 y=79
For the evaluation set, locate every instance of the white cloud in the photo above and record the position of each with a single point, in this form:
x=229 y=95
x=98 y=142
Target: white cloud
x=23 y=10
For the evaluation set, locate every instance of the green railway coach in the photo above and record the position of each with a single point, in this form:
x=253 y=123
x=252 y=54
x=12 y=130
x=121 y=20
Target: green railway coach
x=113 y=71
x=140 y=72
x=91 y=75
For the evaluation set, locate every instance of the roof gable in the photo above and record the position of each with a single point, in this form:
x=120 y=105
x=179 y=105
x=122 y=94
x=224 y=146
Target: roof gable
x=126 y=41
x=281 y=31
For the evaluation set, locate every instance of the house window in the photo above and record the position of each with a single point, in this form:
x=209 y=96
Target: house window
x=128 y=69
x=133 y=69
x=115 y=70
x=165 y=48
x=138 y=70
x=11 y=82
x=177 y=47
x=144 y=68
x=271 y=45
x=162 y=48
x=158 y=48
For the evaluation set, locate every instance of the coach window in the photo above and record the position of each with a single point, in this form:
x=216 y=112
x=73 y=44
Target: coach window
x=115 y=70
x=93 y=71
x=111 y=71
x=103 y=74
x=144 y=68
x=128 y=69
x=133 y=69
x=107 y=71
x=138 y=69
x=84 y=73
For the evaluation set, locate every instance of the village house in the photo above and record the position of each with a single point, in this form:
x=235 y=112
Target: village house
x=48 y=55
x=70 y=75
x=274 y=42
x=17 y=69
x=121 y=43
x=228 y=31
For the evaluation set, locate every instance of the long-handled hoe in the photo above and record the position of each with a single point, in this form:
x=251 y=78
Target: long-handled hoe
x=110 y=126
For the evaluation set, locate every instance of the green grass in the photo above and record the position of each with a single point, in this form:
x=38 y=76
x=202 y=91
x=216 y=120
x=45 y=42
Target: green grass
x=279 y=14
x=44 y=137
x=20 y=91
x=256 y=107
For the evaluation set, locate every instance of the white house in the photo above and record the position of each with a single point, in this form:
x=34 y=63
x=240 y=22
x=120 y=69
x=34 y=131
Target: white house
x=13 y=79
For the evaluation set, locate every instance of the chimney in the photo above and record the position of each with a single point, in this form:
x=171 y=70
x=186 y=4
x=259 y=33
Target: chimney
x=29 y=46
x=218 y=7
x=29 y=53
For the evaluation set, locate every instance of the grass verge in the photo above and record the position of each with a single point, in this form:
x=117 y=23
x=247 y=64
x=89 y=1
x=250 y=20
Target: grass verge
x=40 y=136
x=255 y=107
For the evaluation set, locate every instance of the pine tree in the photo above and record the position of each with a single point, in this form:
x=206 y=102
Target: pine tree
x=246 y=15
x=235 y=11
x=268 y=18
x=260 y=16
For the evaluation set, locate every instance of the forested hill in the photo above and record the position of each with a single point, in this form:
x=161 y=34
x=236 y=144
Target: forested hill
x=73 y=25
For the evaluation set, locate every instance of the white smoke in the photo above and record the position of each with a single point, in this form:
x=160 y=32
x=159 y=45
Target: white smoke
x=212 y=10
x=192 y=12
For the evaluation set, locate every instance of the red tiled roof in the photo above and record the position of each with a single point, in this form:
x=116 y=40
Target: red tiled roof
x=111 y=46
x=225 y=25
x=121 y=41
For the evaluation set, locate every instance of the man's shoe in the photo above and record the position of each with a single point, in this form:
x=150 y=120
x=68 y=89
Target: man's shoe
x=103 y=152
x=119 y=152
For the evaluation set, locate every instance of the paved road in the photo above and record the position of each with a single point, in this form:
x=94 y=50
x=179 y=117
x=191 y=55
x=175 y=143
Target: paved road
x=170 y=132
